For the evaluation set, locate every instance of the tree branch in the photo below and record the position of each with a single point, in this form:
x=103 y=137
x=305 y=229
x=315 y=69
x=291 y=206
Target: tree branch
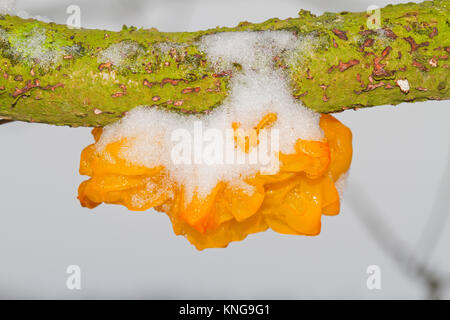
x=78 y=77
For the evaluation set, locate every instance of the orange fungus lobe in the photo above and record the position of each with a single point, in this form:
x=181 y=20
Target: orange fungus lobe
x=291 y=201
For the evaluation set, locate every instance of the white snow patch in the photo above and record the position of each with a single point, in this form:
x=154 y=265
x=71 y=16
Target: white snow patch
x=9 y=7
x=256 y=90
x=117 y=53
x=31 y=46
x=252 y=50
x=32 y=49
x=166 y=47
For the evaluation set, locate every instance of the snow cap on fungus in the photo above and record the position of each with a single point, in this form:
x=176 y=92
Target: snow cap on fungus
x=131 y=162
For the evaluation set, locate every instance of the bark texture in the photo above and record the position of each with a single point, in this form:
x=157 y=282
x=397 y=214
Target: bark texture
x=79 y=77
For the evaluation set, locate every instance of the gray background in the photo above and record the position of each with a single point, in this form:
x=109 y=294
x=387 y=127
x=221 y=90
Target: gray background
x=400 y=156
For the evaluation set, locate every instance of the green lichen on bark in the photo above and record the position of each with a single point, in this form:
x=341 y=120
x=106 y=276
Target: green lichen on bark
x=80 y=77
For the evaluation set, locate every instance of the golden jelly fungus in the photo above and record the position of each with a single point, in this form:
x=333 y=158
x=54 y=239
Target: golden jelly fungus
x=291 y=201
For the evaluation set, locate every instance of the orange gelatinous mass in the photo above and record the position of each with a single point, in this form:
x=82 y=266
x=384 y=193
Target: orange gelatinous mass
x=291 y=201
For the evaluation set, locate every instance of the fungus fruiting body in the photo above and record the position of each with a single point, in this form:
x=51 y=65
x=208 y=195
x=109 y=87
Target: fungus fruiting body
x=259 y=160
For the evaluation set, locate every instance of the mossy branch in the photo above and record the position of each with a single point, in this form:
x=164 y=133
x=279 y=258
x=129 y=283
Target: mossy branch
x=78 y=77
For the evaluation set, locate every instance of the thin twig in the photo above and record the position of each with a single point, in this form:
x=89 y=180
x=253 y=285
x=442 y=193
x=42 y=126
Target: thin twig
x=438 y=218
x=367 y=211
